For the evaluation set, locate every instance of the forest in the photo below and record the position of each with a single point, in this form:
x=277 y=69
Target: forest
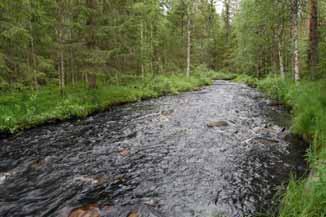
x=66 y=59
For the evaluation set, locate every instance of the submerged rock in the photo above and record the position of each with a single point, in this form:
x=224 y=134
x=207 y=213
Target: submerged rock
x=91 y=210
x=98 y=180
x=3 y=177
x=274 y=103
x=167 y=113
x=133 y=214
x=124 y=152
x=6 y=175
x=213 y=124
x=140 y=210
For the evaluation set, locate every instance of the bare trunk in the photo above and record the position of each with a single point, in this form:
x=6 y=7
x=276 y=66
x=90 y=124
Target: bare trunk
x=295 y=36
x=280 y=57
x=73 y=68
x=142 y=68
x=86 y=78
x=33 y=64
x=91 y=40
x=59 y=74
x=62 y=72
x=152 y=50
x=188 y=46
x=227 y=19
x=313 y=36
x=296 y=60
x=32 y=58
x=60 y=32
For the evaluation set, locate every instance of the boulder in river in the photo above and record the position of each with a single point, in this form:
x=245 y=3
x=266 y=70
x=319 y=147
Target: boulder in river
x=133 y=214
x=140 y=210
x=3 y=177
x=213 y=124
x=124 y=152
x=274 y=103
x=91 y=210
x=98 y=180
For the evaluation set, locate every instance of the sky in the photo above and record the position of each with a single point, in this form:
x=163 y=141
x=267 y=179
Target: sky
x=219 y=6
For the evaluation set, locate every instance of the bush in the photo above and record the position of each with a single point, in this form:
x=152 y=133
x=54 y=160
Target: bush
x=251 y=81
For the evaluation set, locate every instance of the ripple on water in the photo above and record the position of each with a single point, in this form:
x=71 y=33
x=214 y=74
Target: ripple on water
x=154 y=158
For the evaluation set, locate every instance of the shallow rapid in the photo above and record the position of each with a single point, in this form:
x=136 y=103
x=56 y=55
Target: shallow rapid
x=161 y=156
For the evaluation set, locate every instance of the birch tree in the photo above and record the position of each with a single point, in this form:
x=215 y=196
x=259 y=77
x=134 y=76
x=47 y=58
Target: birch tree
x=295 y=38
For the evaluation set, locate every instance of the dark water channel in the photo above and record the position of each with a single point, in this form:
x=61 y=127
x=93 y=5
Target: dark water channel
x=158 y=155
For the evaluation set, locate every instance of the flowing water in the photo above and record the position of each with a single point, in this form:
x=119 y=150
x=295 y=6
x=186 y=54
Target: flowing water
x=157 y=154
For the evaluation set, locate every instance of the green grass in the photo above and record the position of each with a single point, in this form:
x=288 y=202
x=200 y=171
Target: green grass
x=307 y=198
x=304 y=198
x=26 y=108
x=244 y=78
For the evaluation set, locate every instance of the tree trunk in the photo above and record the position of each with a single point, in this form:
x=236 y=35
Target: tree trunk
x=295 y=38
x=313 y=37
x=60 y=32
x=142 y=67
x=227 y=19
x=33 y=64
x=188 y=45
x=62 y=72
x=152 y=50
x=91 y=43
x=280 y=57
x=32 y=57
x=227 y=33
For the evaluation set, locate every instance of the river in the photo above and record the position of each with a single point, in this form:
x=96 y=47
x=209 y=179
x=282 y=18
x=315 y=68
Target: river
x=162 y=157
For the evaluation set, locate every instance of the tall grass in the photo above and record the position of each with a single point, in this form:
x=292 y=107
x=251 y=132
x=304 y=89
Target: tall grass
x=304 y=198
x=24 y=109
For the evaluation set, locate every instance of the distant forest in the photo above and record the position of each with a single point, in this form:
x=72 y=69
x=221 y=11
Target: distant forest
x=66 y=42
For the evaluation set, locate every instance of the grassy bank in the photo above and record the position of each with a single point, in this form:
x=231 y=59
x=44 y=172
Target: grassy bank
x=304 y=198
x=24 y=109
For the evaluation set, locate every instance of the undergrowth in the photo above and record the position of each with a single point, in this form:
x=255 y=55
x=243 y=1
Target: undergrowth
x=26 y=108
x=307 y=197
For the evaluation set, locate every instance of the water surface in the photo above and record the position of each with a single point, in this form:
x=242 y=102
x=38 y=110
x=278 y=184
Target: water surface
x=158 y=154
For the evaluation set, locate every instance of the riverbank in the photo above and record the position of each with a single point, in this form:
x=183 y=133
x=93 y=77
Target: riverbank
x=21 y=110
x=304 y=197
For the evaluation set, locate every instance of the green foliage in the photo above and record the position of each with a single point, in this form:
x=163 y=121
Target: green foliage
x=304 y=198
x=322 y=44
x=244 y=78
x=23 y=109
x=308 y=100
x=102 y=37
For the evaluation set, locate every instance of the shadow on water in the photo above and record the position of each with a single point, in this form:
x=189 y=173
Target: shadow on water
x=155 y=158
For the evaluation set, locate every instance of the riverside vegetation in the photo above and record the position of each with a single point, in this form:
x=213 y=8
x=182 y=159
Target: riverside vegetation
x=21 y=110
x=27 y=108
x=305 y=197
x=64 y=59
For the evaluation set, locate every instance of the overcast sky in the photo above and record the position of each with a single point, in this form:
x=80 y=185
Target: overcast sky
x=219 y=6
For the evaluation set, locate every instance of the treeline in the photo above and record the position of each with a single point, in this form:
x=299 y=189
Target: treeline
x=286 y=37
x=69 y=42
